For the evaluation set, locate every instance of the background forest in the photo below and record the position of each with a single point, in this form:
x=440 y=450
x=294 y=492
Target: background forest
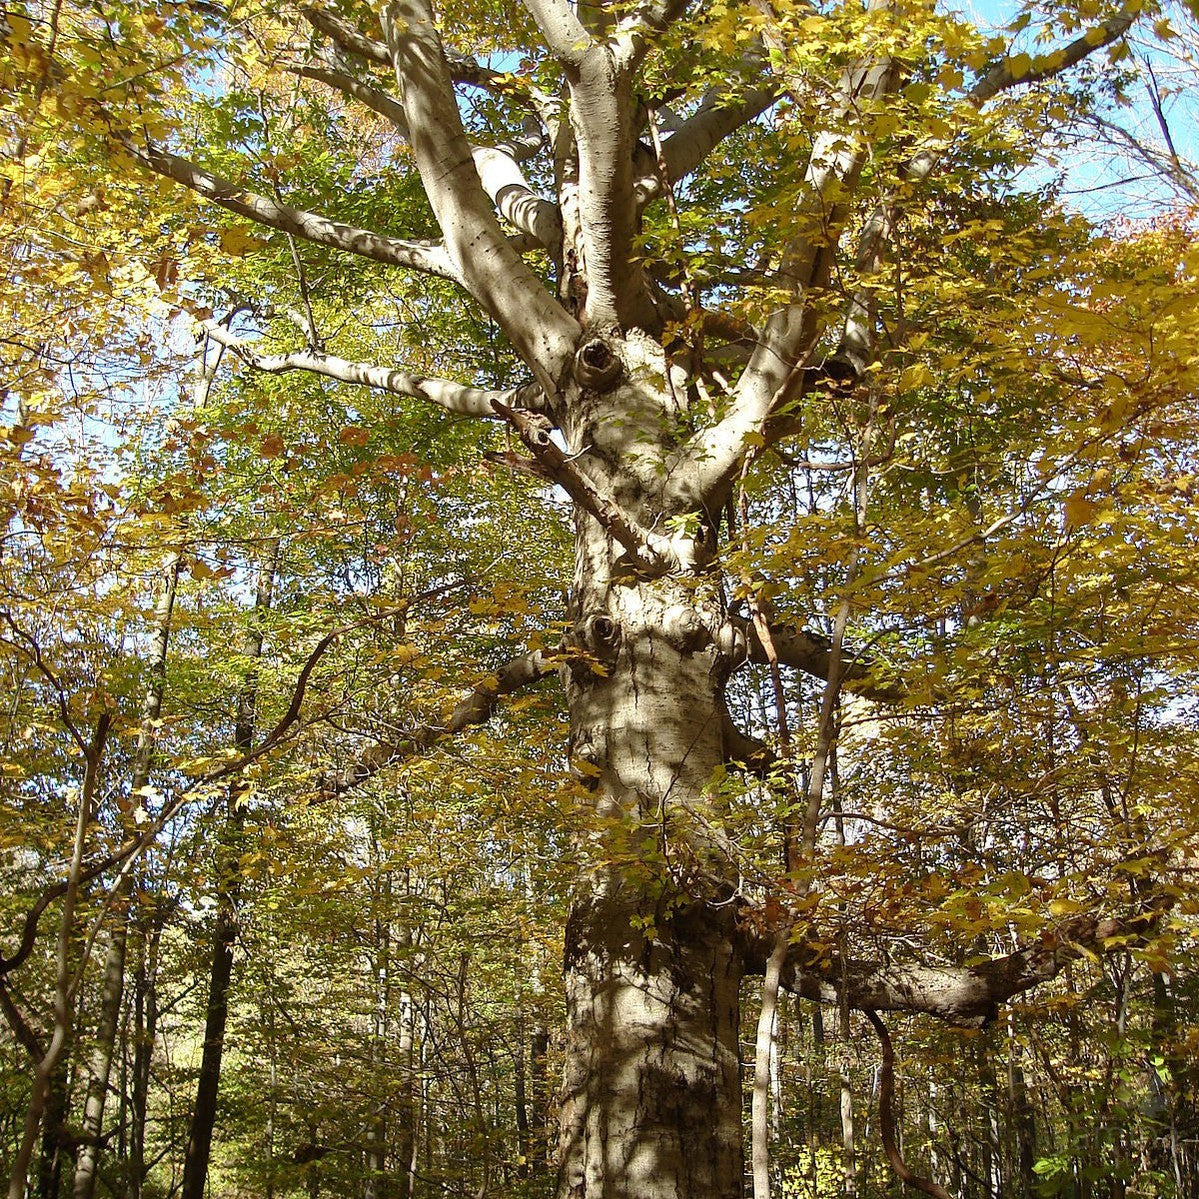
x=287 y=848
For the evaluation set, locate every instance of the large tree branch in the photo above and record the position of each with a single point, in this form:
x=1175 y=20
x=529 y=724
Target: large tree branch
x=475 y=708
x=775 y=374
x=1001 y=77
x=857 y=341
x=427 y=257
x=649 y=551
x=463 y=68
x=346 y=35
x=602 y=112
x=712 y=122
x=963 y=995
x=640 y=29
x=564 y=33
x=499 y=172
x=453 y=397
x=542 y=332
x=377 y=101
x=505 y=183
x=804 y=650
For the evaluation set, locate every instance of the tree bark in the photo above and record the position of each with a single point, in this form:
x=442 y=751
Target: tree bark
x=520 y=1099
x=652 y=1093
x=406 y=1100
x=145 y=1030
x=66 y=970
x=113 y=986
x=54 y=1140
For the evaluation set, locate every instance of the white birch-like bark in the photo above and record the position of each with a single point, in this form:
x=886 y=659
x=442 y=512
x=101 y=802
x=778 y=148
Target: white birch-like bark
x=453 y=397
x=499 y=171
x=426 y=257
x=113 y=984
x=493 y=272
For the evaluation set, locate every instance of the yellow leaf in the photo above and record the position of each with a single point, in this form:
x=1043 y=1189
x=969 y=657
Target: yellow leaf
x=1018 y=65
x=237 y=242
x=1079 y=511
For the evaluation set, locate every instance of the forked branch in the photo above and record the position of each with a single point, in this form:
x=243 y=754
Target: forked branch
x=499 y=172
x=542 y=332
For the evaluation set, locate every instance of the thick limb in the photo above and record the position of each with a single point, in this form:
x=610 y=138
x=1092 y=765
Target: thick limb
x=427 y=257
x=969 y=996
x=542 y=332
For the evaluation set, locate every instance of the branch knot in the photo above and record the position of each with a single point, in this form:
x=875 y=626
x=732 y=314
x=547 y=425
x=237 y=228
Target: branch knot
x=597 y=367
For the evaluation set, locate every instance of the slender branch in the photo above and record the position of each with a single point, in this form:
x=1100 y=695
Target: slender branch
x=886 y=1114
x=1000 y=78
x=810 y=652
x=463 y=68
x=425 y=256
x=377 y=101
x=30 y=923
x=28 y=646
x=346 y=35
x=475 y=708
x=141 y=841
x=745 y=752
x=1167 y=163
x=760 y=1100
x=20 y=1026
x=650 y=552
x=453 y=397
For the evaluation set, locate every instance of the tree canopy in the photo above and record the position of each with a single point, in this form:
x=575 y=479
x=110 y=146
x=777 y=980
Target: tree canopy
x=599 y=599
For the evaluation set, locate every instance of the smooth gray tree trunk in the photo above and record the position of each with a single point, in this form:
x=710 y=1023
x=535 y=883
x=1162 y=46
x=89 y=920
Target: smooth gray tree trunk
x=148 y=935
x=652 y=1094
x=113 y=982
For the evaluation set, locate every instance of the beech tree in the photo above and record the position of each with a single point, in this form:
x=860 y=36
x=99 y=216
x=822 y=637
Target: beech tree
x=722 y=244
